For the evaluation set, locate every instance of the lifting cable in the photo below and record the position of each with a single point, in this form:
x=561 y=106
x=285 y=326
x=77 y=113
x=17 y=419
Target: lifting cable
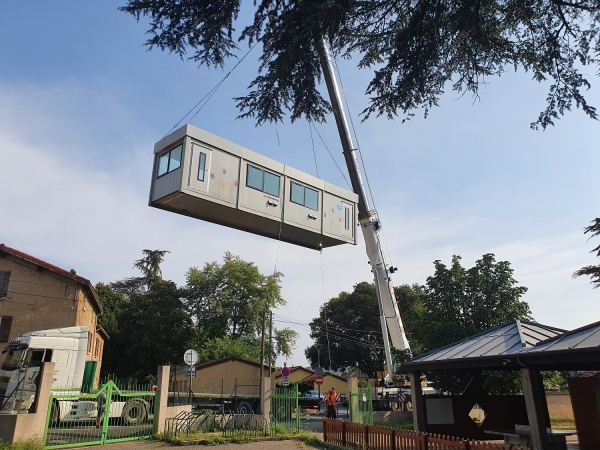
x=339 y=75
x=321 y=250
x=204 y=100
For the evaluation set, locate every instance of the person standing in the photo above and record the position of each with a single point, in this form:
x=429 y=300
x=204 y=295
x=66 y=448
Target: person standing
x=330 y=401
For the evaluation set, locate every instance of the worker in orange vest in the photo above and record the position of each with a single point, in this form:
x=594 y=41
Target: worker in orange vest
x=330 y=401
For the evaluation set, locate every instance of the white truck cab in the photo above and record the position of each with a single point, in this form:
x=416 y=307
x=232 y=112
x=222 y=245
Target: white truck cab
x=66 y=347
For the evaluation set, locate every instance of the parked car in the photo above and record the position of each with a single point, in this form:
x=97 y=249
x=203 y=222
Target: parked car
x=314 y=395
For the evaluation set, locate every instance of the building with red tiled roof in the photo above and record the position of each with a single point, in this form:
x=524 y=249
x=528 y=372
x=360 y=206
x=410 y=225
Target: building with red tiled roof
x=297 y=373
x=37 y=295
x=330 y=380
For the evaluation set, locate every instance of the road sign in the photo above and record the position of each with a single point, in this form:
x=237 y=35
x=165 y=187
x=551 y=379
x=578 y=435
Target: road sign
x=319 y=371
x=285 y=371
x=319 y=380
x=285 y=381
x=190 y=372
x=190 y=357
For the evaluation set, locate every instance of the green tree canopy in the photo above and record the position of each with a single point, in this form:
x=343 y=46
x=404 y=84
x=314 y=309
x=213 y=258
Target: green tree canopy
x=348 y=329
x=228 y=302
x=592 y=271
x=416 y=49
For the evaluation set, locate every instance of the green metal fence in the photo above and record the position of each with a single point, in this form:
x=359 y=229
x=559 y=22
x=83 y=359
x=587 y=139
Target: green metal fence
x=284 y=407
x=360 y=405
x=111 y=414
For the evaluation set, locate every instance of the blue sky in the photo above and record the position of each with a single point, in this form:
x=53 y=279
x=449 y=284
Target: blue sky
x=82 y=103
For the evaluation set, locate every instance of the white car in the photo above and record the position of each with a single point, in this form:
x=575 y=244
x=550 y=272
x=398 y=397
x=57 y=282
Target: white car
x=314 y=394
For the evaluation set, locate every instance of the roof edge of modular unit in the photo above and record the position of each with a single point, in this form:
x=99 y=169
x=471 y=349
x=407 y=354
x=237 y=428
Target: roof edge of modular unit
x=250 y=155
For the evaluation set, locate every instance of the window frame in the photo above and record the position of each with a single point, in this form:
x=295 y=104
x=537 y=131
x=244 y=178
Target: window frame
x=168 y=155
x=5 y=329
x=263 y=172
x=346 y=218
x=304 y=188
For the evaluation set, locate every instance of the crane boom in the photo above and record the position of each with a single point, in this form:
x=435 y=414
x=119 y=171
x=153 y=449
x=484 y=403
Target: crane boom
x=391 y=322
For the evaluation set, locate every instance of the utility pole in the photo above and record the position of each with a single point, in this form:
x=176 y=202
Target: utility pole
x=368 y=219
x=262 y=344
x=270 y=340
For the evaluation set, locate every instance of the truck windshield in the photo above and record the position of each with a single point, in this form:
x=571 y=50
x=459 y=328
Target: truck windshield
x=12 y=358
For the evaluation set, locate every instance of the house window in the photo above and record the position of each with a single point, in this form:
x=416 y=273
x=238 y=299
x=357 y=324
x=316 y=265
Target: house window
x=4 y=277
x=170 y=161
x=5 y=322
x=201 y=166
x=89 y=349
x=262 y=180
x=304 y=196
x=97 y=348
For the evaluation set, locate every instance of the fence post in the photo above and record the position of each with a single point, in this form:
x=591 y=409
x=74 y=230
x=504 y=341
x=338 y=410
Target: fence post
x=324 y=429
x=393 y=439
x=367 y=436
x=343 y=434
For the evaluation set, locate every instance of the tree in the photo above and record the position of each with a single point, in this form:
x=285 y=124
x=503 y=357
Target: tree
x=460 y=303
x=414 y=48
x=592 y=271
x=146 y=320
x=228 y=302
x=348 y=329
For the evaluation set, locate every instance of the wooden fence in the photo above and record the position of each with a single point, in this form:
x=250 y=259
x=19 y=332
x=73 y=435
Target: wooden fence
x=372 y=437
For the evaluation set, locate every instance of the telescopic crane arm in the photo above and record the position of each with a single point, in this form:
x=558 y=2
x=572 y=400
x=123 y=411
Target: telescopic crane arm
x=391 y=322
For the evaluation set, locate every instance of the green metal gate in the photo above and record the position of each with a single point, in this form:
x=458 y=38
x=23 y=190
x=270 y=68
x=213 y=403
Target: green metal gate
x=111 y=414
x=285 y=412
x=360 y=405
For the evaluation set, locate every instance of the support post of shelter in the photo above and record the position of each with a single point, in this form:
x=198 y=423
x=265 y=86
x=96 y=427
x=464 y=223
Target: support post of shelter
x=418 y=402
x=537 y=408
x=265 y=398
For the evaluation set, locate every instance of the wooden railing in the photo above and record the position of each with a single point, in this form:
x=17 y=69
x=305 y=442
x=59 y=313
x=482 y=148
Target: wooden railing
x=373 y=437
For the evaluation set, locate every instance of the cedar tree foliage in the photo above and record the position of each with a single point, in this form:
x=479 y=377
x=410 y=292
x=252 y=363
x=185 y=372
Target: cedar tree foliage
x=592 y=271
x=415 y=48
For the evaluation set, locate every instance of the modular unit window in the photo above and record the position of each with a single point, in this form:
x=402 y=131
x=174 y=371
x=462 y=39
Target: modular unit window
x=170 y=161
x=347 y=218
x=201 y=166
x=262 y=180
x=304 y=196
x=4 y=277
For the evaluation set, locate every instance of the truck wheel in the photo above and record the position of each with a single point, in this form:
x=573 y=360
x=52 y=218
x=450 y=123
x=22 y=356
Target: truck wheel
x=244 y=408
x=134 y=412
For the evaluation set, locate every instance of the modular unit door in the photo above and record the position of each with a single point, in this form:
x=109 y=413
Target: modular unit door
x=214 y=172
x=338 y=217
x=261 y=191
x=303 y=205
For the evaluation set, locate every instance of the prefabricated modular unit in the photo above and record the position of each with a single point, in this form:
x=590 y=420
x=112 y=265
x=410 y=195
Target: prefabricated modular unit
x=201 y=175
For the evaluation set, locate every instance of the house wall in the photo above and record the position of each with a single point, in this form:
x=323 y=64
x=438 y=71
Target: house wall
x=230 y=369
x=39 y=299
x=341 y=386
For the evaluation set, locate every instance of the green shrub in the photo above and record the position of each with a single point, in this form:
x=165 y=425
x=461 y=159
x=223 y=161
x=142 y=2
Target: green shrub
x=27 y=444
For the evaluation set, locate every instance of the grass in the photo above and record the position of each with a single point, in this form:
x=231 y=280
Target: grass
x=399 y=426
x=28 y=444
x=562 y=423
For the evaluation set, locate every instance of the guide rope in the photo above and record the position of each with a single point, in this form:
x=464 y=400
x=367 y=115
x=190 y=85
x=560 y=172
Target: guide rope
x=204 y=100
x=330 y=154
x=281 y=221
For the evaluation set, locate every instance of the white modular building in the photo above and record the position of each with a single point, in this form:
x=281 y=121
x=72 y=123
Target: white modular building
x=201 y=175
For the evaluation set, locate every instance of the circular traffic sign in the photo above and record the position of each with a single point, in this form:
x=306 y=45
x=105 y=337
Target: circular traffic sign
x=319 y=380
x=285 y=371
x=190 y=357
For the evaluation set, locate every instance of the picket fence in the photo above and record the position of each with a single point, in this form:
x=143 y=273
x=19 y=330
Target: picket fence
x=372 y=437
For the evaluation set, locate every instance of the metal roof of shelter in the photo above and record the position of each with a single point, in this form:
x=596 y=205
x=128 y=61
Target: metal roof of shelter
x=489 y=349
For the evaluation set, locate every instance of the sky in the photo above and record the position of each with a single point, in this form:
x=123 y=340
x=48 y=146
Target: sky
x=82 y=102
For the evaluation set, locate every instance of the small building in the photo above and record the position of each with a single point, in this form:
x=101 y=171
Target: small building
x=201 y=175
x=330 y=380
x=297 y=374
x=37 y=295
